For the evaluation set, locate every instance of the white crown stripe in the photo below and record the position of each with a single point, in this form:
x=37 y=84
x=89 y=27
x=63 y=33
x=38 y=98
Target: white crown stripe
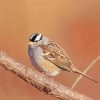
x=38 y=37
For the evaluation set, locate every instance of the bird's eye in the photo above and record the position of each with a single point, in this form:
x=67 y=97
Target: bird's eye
x=35 y=37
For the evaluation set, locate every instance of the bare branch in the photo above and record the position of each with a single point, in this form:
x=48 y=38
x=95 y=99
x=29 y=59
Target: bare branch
x=85 y=71
x=40 y=81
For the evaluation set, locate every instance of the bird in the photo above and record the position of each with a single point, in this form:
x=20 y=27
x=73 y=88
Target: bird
x=49 y=57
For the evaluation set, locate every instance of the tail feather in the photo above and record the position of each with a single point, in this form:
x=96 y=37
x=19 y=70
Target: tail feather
x=79 y=72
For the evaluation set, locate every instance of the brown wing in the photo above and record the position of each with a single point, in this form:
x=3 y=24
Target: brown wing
x=55 y=54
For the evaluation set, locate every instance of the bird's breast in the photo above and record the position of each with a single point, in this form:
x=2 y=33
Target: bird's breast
x=42 y=64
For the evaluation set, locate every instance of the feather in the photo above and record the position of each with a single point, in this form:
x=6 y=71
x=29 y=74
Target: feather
x=56 y=55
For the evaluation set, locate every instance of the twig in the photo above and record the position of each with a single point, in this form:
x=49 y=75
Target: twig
x=39 y=81
x=85 y=71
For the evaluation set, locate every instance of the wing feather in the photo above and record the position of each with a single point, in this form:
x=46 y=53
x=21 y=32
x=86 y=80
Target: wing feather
x=55 y=54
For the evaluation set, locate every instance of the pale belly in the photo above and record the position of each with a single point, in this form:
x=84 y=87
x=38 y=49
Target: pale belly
x=41 y=64
x=49 y=68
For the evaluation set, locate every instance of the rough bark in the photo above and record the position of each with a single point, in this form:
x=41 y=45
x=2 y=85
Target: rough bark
x=40 y=81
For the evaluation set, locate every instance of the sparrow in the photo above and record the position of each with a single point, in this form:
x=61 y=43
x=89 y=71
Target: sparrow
x=49 y=57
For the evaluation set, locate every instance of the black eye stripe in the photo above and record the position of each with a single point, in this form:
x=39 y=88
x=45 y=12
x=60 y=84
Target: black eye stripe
x=34 y=37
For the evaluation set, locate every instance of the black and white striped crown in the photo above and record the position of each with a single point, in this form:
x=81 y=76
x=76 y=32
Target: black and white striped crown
x=35 y=37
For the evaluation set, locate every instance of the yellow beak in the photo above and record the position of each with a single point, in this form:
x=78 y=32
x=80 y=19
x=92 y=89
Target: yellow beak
x=30 y=43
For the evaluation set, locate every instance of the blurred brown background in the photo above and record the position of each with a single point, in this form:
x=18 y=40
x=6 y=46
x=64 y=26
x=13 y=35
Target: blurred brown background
x=75 y=24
